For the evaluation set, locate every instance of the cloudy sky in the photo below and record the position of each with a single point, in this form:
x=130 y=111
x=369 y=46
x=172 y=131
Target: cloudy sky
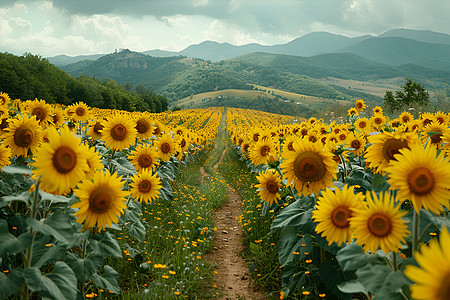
x=77 y=27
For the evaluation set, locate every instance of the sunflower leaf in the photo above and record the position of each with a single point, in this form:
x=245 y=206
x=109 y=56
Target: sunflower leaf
x=57 y=225
x=9 y=244
x=17 y=169
x=10 y=283
x=84 y=268
x=108 y=280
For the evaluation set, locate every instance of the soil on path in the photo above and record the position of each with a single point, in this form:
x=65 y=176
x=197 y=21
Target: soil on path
x=232 y=278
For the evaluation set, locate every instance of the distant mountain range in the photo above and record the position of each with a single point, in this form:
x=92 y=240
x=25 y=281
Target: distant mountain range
x=395 y=47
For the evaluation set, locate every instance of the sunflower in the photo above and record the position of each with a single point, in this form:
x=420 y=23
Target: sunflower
x=159 y=128
x=384 y=146
x=362 y=125
x=426 y=118
x=333 y=211
x=255 y=133
x=432 y=133
x=377 y=110
x=101 y=200
x=261 y=151
x=441 y=117
x=352 y=111
x=309 y=167
x=95 y=129
x=4 y=99
x=144 y=128
x=269 y=186
x=357 y=141
x=287 y=144
x=23 y=134
x=80 y=112
x=378 y=120
x=360 y=105
x=58 y=117
x=405 y=117
x=415 y=125
x=145 y=186
x=93 y=160
x=3 y=124
x=379 y=224
x=421 y=176
x=166 y=147
x=61 y=163
x=432 y=277
x=5 y=154
x=118 y=132
x=183 y=142
x=41 y=110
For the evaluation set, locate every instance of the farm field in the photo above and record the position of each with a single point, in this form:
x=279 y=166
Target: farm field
x=221 y=203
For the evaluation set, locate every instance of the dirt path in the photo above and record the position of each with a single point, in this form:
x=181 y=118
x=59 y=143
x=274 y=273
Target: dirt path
x=232 y=278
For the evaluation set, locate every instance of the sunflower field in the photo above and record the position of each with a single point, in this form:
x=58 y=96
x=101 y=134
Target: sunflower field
x=108 y=204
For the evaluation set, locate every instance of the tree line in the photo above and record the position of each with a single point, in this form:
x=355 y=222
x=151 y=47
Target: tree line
x=30 y=76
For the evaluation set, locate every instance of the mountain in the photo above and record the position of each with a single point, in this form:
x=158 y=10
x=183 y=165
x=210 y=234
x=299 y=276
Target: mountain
x=398 y=50
x=426 y=36
x=160 y=53
x=61 y=60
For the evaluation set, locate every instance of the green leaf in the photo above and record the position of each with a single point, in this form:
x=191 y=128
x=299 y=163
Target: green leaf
x=53 y=198
x=84 y=268
x=353 y=287
x=332 y=275
x=293 y=215
x=352 y=257
x=108 y=280
x=379 y=184
x=22 y=197
x=123 y=166
x=11 y=283
x=43 y=254
x=59 y=284
x=291 y=242
x=17 y=169
x=9 y=244
x=136 y=229
x=106 y=244
x=57 y=225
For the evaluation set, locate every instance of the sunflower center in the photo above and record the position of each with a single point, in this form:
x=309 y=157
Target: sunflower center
x=119 y=132
x=440 y=120
x=80 y=111
x=304 y=131
x=256 y=137
x=362 y=124
x=443 y=292
x=426 y=122
x=378 y=121
x=246 y=146
x=165 y=148
x=23 y=136
x=157 y=131
x=142 y=126
x=342 y=136
x=145 y=161
x=264 y=150
x=405 y=119
x=356 y=144
x=183 y=143
x=100 y=200
x=359 y=105
x=55 y=119
x=272 y=187
x=39 y=112
x=64 y=159
x=145 y=186
x=4 y=123
x=436 y=138
x=421 y=181
x=98 y=127
x=379 y=225
x=340 y=216
x=179 y=132
x=309 y=167
x=392 y=147
x=240 y=141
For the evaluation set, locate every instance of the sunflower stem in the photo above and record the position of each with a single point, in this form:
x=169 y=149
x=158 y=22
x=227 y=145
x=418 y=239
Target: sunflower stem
x=415 y=232
x=394 y=261
x=110 y=161
x=83 y=256
x=424 y=230
x=345 y=167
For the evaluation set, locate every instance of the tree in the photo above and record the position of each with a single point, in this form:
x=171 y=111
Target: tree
x=413 y=93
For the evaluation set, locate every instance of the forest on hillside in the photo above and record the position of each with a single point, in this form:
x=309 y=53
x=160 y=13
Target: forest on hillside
x=29 y=77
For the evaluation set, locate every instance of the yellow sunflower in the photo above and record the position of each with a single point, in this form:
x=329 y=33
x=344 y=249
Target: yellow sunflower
x=378 y=120
x=261 y=151
x=309 y=168
x=4 y=99
x=158 y=128
x=144 y=157
x=183 y=142
x=5 y=154
x=93 y=160
x=357 y=141
x=405 y=117
x=145 y=186
x=379 y=224
x=269 y=186
x=95 y=129
x=377 y=110
x=81 y=112
x=362 y=125
x=41 y=110
x=144 y=128
x=333 y=211
x=287 y=144
x=101 y=200
x=166 y=147
x=118 y=132
x=432 y=133
x=421 y=176
x=432 y=277
x=441 y=117
x=61 y=163
x=58 y=117
x=352 y=111
x=360 y=105
x=23 y=134
x=384 y=146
